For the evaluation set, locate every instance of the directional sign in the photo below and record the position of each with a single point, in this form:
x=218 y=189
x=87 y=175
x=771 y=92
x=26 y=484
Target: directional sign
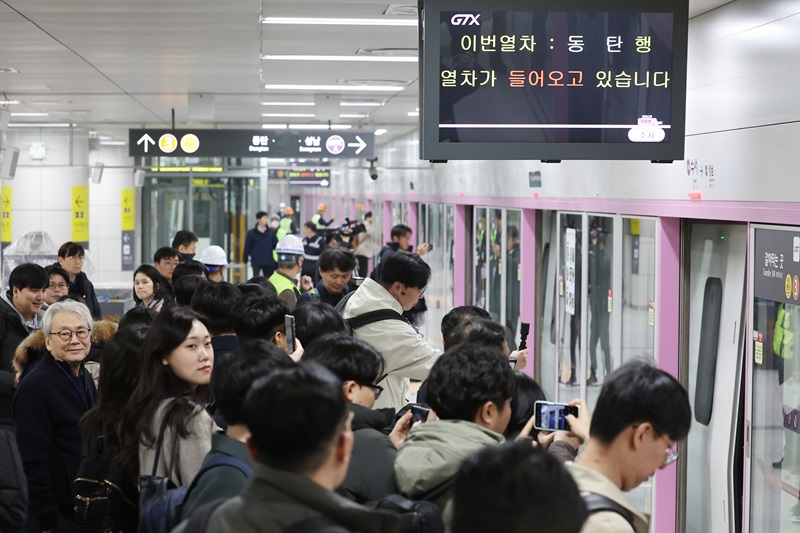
x=5 y=227
x=128 y=228
x=252 y=143
x=80 y=214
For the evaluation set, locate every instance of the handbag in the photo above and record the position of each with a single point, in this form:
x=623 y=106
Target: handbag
x=155 y=491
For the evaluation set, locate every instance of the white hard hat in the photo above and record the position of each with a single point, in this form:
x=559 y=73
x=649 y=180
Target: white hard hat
x=214 y=256
x=290 y=244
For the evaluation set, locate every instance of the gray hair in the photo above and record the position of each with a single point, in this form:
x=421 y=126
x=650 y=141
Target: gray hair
x=67 y=306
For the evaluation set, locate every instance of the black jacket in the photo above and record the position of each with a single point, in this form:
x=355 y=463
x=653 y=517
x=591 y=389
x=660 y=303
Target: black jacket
x=258 y=247
x=14 y=493
x=321 y=294
x=370 y=475
x=12 y=332
x=48 y=407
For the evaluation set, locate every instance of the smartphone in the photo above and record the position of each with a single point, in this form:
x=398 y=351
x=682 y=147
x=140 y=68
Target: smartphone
x=552 y=416
x=290 y=333
x=430 y=246
x=419 y=413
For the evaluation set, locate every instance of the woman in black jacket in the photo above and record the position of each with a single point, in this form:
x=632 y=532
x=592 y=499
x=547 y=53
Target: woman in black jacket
x=70 y=257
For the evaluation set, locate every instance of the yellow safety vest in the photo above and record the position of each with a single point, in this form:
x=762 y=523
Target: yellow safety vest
x=783 y=341
x=315 y=220
x=282 y=284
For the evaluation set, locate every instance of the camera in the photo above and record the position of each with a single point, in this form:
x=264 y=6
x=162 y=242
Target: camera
x=373 y=170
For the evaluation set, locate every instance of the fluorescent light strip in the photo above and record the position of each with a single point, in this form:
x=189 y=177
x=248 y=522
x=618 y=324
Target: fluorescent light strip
x=9 y=102
x=363 y=59
x=113 y=143
x=380 y=131
x=339 y=21
x=289 y=104
x=382 y=88
x=332 y=127
x=39 y=125
x=413 y=113
x=274 y=126
x=288 y=115
x=354 y=115
x=362 y=104
x=30 y=114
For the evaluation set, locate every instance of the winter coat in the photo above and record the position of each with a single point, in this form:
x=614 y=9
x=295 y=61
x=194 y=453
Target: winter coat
x=258 y=247
x=370 y=475
x=12 y=332
x=274 y=500
x=406 y=352
x=84 y=288
x=14 y=493
x=433 y=452
x=589 y=481
x=367 y=245
x=48 y=407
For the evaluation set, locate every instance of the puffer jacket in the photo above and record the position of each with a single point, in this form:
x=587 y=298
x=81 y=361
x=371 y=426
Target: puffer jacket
x=406 y=352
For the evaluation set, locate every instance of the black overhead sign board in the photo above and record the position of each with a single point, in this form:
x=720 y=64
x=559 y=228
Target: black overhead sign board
x=251 y=143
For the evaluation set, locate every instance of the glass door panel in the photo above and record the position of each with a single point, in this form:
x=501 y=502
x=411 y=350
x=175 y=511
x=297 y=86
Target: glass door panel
x=570 y=308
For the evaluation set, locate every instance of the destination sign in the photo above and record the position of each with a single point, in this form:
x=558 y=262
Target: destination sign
x=251 y=143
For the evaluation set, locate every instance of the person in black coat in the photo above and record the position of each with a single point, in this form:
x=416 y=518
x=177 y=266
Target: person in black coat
x=19 y=314
x=70 y=257
x=48 y=406
x=370 y=475
x=14 y=496
x=259 y=243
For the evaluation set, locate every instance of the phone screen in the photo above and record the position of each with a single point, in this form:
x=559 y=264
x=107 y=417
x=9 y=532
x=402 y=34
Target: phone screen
x=289 y=323
x=419 y=413
x=553 y=416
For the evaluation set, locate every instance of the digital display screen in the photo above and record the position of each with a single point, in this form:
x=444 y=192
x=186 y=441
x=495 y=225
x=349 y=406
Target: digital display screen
x=562 y=83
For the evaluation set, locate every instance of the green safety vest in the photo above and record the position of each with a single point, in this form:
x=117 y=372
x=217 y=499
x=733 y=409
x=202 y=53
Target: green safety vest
x=783 y=341
x=315 y=220
x=282 y=283
x=285 y=228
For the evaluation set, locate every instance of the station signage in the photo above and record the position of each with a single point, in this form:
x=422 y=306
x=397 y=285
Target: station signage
x=251 y=143
x=776 y=268
x=310 y=177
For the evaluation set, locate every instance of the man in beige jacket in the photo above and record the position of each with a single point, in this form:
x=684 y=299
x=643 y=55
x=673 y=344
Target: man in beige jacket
x=641 y=414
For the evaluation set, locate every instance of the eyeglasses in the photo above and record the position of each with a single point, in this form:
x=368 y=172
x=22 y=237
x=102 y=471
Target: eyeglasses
x=61 y=286
x=376 y=389
x=672 y=454
x=66 y=335
x=78 y=258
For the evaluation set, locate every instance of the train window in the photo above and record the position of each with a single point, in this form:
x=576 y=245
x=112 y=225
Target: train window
x=709 y=349
x=638 y=288
x=481 y=234
x=512 y=274
x=600 y=261
x=570 y=284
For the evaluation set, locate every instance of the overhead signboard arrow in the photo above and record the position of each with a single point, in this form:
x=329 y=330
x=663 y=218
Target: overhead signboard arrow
x=126 y=238
x=360 y=145
x=5 y=201
x=78 y=202
x=146 y=139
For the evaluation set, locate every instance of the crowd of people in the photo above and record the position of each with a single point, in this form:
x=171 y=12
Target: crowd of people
x=303 y=424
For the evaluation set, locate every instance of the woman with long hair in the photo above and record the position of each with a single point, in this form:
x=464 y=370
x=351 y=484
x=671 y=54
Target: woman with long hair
x=149 y=288
x=176 y=362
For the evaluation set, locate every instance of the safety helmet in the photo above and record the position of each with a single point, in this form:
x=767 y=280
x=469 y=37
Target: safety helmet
x=282 y=205
x=322 y=207
x=214 y=256
x=290 y=244
x=288 y=211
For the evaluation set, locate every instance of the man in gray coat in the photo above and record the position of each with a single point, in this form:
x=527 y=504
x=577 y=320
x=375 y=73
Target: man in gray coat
x=301 y=439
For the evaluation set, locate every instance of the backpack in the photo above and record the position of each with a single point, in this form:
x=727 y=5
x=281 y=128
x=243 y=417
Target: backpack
x=104 y=499
x=367 y=318
x=165 y=514
x=416 y=516
x=597 y=503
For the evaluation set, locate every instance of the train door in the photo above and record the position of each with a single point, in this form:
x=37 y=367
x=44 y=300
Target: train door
x=773 y=467
x=713 y=313
x=435 y=227
x=545 y=371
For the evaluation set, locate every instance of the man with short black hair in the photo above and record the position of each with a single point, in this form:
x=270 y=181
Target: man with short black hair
x=515 y=488
x=184 y=289
x=335 y=269
x=186 y=243
x=301 y=438
x=166 y=259
x=641 y=414
x=400 y=242
x=404 y=278
x=216 y=302
x=470 y=389
x=230 y=381
x=20 y=314
x=258 y=316
x=190 y=267
x=259 y=245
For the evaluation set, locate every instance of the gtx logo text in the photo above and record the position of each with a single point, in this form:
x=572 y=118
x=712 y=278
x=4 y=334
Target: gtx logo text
x=464 y=19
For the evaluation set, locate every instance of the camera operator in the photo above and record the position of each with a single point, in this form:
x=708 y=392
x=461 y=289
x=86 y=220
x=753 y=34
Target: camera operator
x=314 y=245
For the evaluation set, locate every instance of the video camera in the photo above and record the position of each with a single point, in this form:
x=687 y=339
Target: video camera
x=347 y=229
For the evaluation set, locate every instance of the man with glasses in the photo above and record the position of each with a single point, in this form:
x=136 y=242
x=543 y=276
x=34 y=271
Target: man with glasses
x=20 y=314
x=641 y=414
x=370 y=475
x=374 y=312
x=71 y=258
x=58 y=286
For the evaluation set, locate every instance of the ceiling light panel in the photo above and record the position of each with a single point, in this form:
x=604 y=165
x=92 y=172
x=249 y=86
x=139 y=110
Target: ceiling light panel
x=324 y=21
x=357 y=59
x=289 y=104
x=335 y=88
